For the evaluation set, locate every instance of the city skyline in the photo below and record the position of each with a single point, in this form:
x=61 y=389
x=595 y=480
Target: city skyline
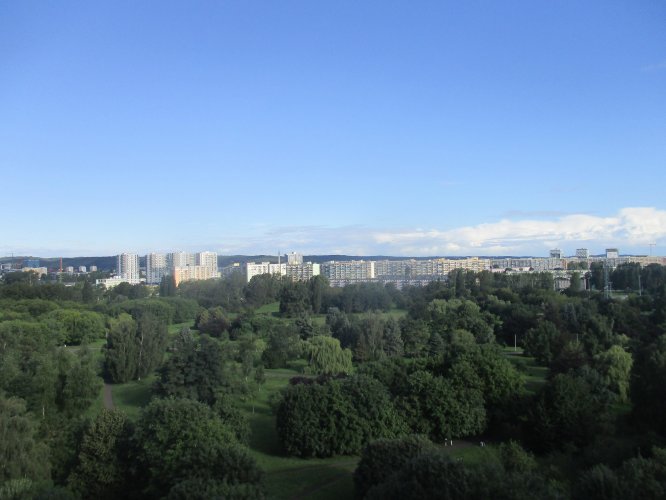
x=163 y=259
x=443 y=128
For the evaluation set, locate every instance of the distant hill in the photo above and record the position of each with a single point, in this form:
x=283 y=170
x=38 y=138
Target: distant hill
x=224 y=260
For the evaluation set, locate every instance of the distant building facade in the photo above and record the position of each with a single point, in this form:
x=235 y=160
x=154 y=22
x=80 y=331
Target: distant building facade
x=180 y=259
x=193 y=273
x=612 y=253
x=156 y=268
x=340 y=273
x=294 y=259
x=253 y=269
x=582 y=253
x=302 y=272
x=41 y=271
x=31 y=262
x=128 y=267
x=209 y=261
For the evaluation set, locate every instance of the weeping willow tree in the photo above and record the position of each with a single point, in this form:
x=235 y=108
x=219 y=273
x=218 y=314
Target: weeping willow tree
x=326 y=357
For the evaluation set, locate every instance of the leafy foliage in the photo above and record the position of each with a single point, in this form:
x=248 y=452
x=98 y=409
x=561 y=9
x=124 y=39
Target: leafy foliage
x=21 y=454
x=103 y=461
x=326 y=357
x=134 y=348
x=196 y=369
x=181 y=439
x=334 y=416
x=384 y=457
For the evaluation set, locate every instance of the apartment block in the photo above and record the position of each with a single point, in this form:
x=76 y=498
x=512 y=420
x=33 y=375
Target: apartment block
x=156 y=268
x=612 y=253
x=181 y=259
x=294 y=259
x=352 y=270
x=253 y=269
x=128 y=267
x=209 y=261
x=193 y=273
x=302 y=272
x=582 y=253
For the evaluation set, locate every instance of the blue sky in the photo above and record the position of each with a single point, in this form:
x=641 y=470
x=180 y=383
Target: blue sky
x=400 y=128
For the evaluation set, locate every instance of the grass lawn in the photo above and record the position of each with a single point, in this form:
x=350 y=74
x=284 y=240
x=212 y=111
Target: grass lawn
x=472 y=454
x=132 y=396
x=97 y=405
x=535 y=375
x=396 y=313
x=289 y=477
x=535 y=378
x=272 y=309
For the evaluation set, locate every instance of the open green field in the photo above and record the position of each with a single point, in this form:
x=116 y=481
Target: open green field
x=535 y=375
x=132 y=396
x=271 y=309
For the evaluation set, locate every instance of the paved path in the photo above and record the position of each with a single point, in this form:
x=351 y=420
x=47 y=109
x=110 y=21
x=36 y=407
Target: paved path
x=108 y=397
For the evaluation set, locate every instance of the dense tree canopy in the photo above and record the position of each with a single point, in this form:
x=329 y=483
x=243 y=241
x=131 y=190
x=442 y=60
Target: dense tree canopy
x=438 y=365
x=181 y=439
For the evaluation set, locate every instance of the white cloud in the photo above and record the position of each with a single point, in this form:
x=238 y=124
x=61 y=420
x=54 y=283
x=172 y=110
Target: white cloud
x=630 y=229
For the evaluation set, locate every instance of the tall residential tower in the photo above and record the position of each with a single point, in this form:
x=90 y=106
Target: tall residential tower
x=128 y=267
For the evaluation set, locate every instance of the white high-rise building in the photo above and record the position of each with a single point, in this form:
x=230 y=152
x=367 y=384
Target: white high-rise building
x=208 y=260
x=582 y=253
x=612 y=253
x=181 y=259
x=351 y=270
x=128 y=267
x=294 y=259
x=257 y=268
x=156 y=268
x=302 y=272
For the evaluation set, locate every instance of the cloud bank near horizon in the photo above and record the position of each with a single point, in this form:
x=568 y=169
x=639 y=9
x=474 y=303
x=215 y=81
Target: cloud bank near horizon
x=631 y=229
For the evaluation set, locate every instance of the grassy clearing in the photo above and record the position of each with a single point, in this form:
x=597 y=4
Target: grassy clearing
x=471 y=453
x=318 y=319
x=133 y=396
x=272 y=309
x=396 y=313
x=97 y=405
x=97 y=344
x=535 y=375
x=535 y=378
x=290 y=477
